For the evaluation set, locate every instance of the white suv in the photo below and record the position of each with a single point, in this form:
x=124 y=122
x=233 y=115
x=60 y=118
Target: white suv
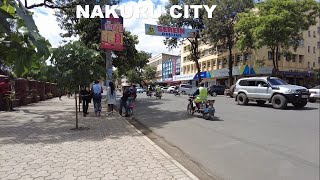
x=270 y=89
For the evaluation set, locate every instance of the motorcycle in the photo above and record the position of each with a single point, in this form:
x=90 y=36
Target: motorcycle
x=176 y=93
x=205 y=108
x=149 y=93
x=158 y=95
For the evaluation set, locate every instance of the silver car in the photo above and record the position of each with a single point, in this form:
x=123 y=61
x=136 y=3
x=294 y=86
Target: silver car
x=270 y=89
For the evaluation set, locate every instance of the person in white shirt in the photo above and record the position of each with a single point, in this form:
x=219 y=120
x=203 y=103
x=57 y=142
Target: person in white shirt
x=111 y=97
x=96 y=93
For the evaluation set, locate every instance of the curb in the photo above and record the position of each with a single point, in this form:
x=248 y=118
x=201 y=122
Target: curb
x=183 y=169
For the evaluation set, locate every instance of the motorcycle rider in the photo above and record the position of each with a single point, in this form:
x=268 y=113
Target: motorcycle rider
x=176 y=90
x=158 y=90
x=201 y=95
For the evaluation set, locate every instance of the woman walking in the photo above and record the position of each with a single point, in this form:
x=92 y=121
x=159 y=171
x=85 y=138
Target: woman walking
x=111 y=97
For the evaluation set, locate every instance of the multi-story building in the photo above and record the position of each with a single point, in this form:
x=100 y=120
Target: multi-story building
x=296 y=68
x=167 y=66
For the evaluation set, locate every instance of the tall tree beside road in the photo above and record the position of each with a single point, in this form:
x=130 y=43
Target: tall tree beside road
x=219 y=29
x=278 y=25
x=191 y=22
x=149 y=72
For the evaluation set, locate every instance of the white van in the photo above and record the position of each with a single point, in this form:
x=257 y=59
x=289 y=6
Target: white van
x=187 y=89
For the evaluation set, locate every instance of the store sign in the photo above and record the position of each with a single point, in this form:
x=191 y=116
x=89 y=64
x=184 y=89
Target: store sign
x=112 y=33
x=170 y=32
x=183 y=77
x=205 y=74
x=225 y=72
x=264 y=70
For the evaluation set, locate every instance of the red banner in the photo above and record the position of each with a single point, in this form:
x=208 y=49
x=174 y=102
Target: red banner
x=174 y=66
x=112 y=33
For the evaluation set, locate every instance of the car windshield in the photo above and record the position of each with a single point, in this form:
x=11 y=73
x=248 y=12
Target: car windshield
x=277 y=82
x=317 y=87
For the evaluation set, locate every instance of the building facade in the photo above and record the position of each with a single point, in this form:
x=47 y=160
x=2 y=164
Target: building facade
x=167 y=66
x=296 y=68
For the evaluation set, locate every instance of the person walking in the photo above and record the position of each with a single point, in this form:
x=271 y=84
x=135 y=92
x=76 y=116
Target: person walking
x=96 y=95
x=123 y=102
x=111 y=97
x=86 y=98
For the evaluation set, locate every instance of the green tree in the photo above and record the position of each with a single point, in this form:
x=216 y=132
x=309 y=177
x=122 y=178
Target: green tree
x=191 y=22
x=278 y=25
x=219 y=29
x=133 y=76
x=76 y=65
x=21 y=45
x=149 y=72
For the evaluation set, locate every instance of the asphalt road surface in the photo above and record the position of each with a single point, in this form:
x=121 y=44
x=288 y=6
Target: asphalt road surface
x=243 y=142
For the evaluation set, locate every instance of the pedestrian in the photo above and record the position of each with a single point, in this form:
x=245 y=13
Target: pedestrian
x=123 y=101
x=86 y=99
x=111 y=97
x=96 y=95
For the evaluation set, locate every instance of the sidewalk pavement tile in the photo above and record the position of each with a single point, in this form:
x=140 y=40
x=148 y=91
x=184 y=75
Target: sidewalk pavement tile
x=36 y=143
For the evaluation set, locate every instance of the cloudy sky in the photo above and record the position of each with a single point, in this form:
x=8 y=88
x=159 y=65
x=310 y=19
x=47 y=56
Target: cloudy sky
x=49 y=28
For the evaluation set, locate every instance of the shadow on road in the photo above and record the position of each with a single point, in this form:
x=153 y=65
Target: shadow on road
x=50 y=122
x=289 y=107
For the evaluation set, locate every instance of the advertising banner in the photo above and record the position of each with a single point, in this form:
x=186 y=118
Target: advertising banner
x=183 y=77
x=225 y=72
x=205 y=74
x=174 y=66
x=112 y=33
x=173 y=32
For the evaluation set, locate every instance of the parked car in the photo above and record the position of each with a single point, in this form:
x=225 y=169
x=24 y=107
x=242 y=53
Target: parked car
x=170 y=89
x=229 y=92
x=314 y=94
x=187 y=89
x=215 y=90
x=164 y=89
x=140 y=90
x=270 y=89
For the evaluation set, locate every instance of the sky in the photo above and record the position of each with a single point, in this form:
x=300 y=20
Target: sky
x=49 y=27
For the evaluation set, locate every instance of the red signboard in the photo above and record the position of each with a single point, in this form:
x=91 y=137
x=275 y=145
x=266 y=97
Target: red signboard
x=174 y=66
x=112 y=33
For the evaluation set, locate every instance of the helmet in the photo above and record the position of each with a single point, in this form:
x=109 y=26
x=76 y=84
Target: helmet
x=202 y=84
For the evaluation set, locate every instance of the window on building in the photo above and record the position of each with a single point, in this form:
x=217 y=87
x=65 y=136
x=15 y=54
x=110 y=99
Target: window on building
x=238 y=58
x=309 y=33
x=308 y=64
x=214 y=63
x=308 y=49
x=225 y=61
x=319 y=30
x=219 y=62
x=184 y=59
x=301 y=44
x=191 y=68
x=314 y=49
x=301 y=57
x=314 y=64
x=247 y=56
x=185 y=49
x=294 y=57
x=318 y=44
x=209 y=64
x=270 y=55
x=314 y=34
x=318 y=60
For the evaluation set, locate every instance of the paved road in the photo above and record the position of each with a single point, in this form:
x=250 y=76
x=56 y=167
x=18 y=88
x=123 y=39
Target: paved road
x=244 y=142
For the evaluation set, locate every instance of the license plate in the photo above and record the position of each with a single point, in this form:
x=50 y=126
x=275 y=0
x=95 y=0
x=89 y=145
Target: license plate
x=305 y=96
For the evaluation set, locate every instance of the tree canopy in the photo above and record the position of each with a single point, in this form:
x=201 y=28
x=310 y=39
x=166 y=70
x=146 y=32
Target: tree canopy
x=278 y=25
x=77 y=65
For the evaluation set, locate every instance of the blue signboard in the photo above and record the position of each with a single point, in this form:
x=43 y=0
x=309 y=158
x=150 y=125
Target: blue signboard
x=167 y=31
x=205 y=74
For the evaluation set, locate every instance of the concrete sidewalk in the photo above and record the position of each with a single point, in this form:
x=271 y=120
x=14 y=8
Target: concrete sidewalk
x=36 y=143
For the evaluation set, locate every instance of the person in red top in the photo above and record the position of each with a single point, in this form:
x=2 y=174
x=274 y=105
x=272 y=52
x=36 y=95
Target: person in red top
x=5 y=89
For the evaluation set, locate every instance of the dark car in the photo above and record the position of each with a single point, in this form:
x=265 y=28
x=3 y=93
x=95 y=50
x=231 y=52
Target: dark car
x=217 y=90
x=229 y=92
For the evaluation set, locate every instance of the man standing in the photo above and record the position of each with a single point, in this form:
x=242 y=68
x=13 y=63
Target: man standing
x=85 y=96
x=123 y=101
x=96 y=92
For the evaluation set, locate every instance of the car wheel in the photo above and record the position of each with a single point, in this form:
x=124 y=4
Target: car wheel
x=312 y=100
x=300 y=104
x=261 y=102
x=279 y=101
x=190 y=109
x=183 y=92
x=214 y=94
x=242 y=99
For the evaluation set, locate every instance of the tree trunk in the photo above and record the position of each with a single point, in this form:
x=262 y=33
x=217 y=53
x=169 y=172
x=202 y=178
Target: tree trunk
x=230 y=64
x=196 y=58
x=277 y=58
x=273 y=61
x=75 y=97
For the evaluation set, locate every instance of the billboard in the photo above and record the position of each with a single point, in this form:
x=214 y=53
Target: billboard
x=167 y=31
x=112 y=33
